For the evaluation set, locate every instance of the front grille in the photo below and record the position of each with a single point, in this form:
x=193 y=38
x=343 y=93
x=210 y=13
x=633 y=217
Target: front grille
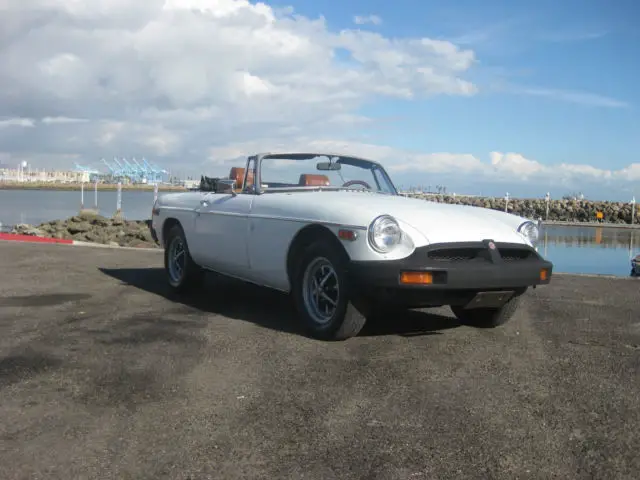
x=458 y=254
x=515 y=254
x=479 y=254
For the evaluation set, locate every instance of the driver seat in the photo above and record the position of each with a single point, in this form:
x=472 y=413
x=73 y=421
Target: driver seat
x=310 y=180
x=237 y=174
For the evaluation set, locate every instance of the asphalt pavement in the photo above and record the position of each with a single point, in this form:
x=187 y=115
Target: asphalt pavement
x=104 y=374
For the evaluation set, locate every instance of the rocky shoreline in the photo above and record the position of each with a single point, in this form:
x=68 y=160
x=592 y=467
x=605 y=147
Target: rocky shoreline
x=89 y=227
x=578 y=211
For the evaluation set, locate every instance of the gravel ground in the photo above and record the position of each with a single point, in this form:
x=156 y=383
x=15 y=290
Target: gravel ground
x=104 y=375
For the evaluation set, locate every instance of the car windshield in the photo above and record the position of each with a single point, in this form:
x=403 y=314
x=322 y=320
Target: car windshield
x=306 y=171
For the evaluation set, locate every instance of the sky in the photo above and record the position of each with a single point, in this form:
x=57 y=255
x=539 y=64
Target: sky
x=481 y=97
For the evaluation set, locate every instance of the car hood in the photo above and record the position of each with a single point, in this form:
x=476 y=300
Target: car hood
x=437 y=222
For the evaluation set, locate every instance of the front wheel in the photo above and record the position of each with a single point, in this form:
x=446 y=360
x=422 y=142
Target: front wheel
x=182 y=272
x=487 y=317
x=323 y=295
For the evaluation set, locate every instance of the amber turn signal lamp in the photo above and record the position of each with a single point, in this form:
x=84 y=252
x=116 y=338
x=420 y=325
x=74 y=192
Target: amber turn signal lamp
x=422 y=278
x=544 y=274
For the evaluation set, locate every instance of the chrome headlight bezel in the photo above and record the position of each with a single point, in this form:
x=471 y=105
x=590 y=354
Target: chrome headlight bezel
x=376 y=230
x=530 y=232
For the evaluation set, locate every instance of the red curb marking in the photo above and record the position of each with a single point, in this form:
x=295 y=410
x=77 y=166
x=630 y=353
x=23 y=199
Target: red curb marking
x=31 y=238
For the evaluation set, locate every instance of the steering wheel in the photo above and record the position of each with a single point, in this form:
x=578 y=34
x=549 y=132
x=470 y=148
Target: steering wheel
x=357 y=182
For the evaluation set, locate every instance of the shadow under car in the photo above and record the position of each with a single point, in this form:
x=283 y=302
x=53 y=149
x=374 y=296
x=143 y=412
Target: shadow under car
x=268 y=308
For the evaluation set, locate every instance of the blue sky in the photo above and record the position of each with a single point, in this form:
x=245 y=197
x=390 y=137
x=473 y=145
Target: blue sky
x=481 y=96
x=582 y=57
x=587 y=47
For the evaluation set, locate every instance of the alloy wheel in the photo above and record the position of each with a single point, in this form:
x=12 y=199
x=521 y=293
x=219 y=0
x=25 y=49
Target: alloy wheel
x=177 y=259
x=320 y=290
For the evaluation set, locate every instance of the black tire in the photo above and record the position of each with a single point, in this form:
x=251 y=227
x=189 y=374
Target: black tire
x=487 y=317
x=346 y=320
x=192 y=274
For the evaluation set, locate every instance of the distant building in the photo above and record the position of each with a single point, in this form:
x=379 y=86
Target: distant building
x=191 y=184
x=38 y=176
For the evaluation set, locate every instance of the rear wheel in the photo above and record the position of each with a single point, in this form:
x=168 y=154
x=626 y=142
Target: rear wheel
x=183 y=273
x=323 y=296
x=487 y=317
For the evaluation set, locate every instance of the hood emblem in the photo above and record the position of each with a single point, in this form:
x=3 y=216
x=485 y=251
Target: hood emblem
x=492 y=245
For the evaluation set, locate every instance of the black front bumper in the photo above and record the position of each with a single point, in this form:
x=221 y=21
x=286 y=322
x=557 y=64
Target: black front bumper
x=458 y=272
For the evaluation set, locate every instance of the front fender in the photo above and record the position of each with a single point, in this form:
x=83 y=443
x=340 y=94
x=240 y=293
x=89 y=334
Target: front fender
x=360 y=250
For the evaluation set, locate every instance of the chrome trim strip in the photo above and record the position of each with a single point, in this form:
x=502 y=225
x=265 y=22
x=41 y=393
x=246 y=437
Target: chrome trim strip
x=226 y=214
x=266 y=217
x=309 y=220
x=286 y=219
x=179 y=209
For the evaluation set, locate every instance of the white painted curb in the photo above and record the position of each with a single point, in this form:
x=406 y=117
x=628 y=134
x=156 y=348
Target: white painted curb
x=118 y=247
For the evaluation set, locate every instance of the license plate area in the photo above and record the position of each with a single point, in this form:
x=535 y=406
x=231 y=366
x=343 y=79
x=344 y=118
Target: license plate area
x=490 y=299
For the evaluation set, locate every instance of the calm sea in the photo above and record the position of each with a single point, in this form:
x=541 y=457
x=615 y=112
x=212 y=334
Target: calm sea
x=39 y=206
x=593 y=250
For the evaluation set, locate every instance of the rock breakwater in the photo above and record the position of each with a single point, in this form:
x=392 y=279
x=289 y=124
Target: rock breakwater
x=94 y=228
x=559 y=210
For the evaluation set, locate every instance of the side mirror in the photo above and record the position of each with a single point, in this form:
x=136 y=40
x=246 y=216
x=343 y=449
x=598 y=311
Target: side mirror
x=224 y=185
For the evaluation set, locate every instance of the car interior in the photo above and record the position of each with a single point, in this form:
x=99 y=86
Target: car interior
x=305 y=180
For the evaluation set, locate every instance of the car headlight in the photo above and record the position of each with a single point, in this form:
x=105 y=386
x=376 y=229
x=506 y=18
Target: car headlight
x=384 y=234
x=529 y=230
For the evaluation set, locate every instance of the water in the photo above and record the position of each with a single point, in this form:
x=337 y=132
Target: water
x=591 y=250
x=39 y=206
x=579 y=249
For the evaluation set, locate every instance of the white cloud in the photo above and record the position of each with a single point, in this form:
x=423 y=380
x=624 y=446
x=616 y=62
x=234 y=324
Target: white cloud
x=16 y=122
x=515 y=164
x=572 y=35
x=588 y=171
x=195 y=83
x=583 y=98
x=59 y=120
x=631 y=173
x=176 y=78
x=405 y=165
x=364 y=19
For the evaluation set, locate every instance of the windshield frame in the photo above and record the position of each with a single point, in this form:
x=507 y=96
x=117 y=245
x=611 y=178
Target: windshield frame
x=364 y=163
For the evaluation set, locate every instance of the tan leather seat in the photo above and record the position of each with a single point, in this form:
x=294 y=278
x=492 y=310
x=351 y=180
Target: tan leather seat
x=237 y=174
x=310 y=180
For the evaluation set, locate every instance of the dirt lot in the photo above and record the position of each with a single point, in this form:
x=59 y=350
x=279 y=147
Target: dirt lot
x=104 y=375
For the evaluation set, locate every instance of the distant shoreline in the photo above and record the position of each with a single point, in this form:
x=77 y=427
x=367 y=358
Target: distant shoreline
x=88 y=187
x=561 y=212
x=559 y=223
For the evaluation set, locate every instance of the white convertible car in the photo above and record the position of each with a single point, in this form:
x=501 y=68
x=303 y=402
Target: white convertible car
x=333 y=232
